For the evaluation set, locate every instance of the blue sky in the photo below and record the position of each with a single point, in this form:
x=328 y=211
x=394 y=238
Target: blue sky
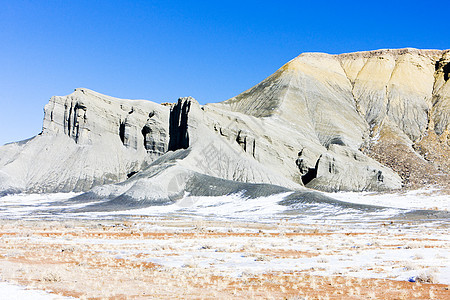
x=162 y=50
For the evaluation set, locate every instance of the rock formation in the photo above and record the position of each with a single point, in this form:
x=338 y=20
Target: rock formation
x=327 y=122
x=385 y=103
x=88 y=139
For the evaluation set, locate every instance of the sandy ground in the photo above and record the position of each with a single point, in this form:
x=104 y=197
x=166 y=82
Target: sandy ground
x=187 y=258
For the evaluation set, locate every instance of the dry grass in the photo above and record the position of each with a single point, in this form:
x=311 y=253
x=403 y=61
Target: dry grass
x=87 y=260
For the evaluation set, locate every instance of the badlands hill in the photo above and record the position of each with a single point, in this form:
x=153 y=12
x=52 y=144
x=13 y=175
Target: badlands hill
x=375 y=121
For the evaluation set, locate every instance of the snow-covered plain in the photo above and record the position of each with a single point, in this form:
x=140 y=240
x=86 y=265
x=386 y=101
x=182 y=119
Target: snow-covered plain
x=234 y=206
x=248 y=234
x=425 y=198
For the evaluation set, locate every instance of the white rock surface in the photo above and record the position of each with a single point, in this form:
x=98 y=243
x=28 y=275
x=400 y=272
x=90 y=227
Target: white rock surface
x=305 y=124
x=88 y=139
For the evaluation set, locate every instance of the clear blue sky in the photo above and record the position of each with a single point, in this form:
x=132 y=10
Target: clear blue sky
x=162 y=50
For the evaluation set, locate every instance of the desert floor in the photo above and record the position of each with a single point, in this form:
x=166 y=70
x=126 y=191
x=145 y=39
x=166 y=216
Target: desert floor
x=185 y=257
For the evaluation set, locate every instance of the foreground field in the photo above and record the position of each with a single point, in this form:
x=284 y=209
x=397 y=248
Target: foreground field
x=187 y=257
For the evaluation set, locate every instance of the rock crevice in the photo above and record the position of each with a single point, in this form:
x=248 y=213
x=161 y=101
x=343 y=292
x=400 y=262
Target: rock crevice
x=178 y=124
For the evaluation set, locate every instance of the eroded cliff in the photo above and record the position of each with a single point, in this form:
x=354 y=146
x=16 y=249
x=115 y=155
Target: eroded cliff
x=375 y=120
x=386 y=103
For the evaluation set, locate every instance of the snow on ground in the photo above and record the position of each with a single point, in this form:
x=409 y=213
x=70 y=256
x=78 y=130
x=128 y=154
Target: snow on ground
x=69 y=254
x=351 y=257
x=236 y=256
x=228 y=207
x=16 y=292
x=21 y=205
x=281 y=238
x=387 y=252
x=426 y=198
x=50 y=206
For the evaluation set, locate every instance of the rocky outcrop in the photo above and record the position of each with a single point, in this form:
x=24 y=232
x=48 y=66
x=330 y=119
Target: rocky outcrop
x=328 y=122
x=393 y=84
x=155 y=135
x=349 y=99
x=332 y=171
x=441 y=96
x=88 y=139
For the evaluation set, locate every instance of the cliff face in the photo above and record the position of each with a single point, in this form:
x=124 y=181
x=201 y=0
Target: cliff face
x=404 y=86
x=385 y=103
x=88 y=139
x=372 y=120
